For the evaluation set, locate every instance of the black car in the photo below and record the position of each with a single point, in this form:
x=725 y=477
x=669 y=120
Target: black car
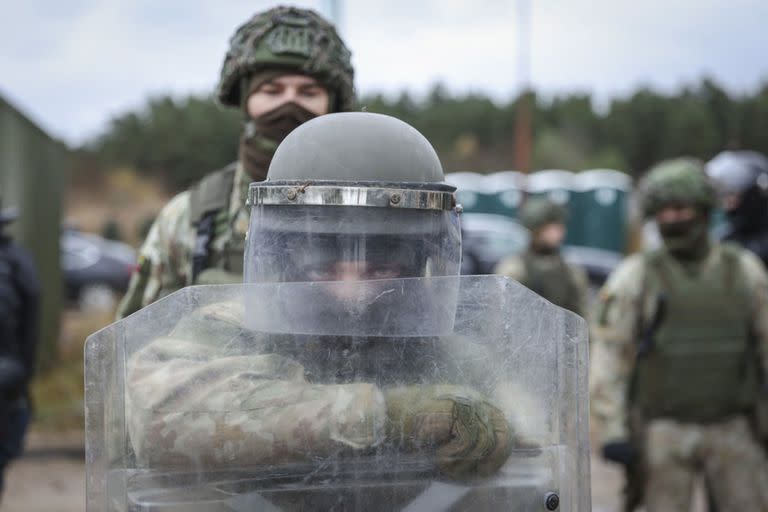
x=487 y=239
x=96 y=271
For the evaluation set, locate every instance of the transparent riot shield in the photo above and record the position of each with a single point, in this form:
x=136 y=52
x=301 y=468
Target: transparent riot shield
x=407 y=394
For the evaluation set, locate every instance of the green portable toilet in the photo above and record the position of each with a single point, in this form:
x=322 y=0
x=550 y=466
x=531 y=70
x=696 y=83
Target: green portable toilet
x=473 y=192
x=558 y=186
x=507 y=191
x=601 y=200
x=468 y=189
x=33 y=170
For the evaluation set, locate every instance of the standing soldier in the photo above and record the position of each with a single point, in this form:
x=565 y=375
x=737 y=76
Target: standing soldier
x=681 y=336
x=742 y=180
x=19 y=306
x=284 y=67
x=542 y=267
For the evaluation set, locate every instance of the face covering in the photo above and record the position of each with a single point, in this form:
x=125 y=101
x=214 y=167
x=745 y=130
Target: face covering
x=687 y=240
x=262 y=135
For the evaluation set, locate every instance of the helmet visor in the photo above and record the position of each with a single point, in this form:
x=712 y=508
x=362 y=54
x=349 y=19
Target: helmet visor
x=350 y=243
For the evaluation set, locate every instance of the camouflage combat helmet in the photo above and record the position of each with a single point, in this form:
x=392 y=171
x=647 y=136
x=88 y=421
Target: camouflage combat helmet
x=540 y=211
x=681 y=181
x=291 y=38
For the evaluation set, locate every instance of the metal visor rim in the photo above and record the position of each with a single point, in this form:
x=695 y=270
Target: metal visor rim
x=434 y=196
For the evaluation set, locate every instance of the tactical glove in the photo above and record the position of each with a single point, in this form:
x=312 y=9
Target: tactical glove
x=621 y=452
x=469 y=436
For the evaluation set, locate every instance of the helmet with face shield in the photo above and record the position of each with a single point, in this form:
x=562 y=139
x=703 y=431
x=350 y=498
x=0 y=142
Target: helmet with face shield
x=353 y=196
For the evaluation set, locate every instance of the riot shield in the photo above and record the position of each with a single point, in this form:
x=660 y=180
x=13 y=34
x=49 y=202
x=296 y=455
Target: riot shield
x=406 y=394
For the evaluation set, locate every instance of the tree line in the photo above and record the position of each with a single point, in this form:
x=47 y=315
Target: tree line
x=180 y=140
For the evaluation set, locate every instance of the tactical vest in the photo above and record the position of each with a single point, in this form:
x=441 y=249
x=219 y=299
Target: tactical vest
x=217 y=246
x=698 y=363
x=556 y=284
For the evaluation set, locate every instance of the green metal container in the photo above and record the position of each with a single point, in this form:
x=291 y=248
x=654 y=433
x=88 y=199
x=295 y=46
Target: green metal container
x=33 y=170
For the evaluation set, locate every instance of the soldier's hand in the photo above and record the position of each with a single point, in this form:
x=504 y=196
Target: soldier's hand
x=469 y=436
x=620 y=451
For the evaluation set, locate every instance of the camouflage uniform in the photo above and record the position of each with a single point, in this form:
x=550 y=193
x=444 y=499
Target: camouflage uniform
x=672 y=450
x=545 y=271
x=562 y=284
x=165 y=258
x=216 y=395
x=279 y=41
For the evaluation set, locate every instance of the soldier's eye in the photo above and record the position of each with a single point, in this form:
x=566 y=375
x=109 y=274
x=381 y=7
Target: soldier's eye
x=310 y=92
x=270 y=89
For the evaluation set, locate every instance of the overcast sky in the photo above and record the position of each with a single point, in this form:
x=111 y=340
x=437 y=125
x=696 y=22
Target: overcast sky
x=74 y=64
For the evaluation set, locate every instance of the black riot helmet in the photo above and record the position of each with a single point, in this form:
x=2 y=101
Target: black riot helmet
x=742 y=181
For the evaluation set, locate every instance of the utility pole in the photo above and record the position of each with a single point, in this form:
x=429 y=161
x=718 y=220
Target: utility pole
x=332 y=10
x=523 y=141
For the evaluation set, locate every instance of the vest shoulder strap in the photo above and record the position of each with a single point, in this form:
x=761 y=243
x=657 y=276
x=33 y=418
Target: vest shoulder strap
x=212 y=193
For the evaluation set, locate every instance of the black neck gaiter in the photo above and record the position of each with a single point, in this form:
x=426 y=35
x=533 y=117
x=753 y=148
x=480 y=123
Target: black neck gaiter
x=687 y=240
x=262 y=135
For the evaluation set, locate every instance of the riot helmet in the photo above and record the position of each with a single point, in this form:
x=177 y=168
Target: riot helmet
x=741 y=179
x=353 y=197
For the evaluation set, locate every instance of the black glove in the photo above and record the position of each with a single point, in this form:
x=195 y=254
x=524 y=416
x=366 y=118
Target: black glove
x=621 y=452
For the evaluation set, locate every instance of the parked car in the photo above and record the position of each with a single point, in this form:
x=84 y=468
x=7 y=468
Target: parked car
x=488 y=238
x=96 y=271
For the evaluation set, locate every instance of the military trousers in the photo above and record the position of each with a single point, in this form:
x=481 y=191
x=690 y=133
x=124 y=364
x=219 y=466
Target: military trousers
x=726 y=453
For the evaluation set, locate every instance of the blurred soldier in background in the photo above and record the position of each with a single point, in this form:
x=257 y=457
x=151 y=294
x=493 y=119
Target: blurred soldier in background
x=284 y=67
x=681 y=336
x=542 y=267
x=19 y=305
x=742 y=180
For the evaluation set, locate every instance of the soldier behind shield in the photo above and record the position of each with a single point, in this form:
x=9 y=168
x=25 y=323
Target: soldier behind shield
x=349 y=198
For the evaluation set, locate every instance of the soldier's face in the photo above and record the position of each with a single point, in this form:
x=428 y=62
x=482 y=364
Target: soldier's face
x=551 y=235
x=300 y=89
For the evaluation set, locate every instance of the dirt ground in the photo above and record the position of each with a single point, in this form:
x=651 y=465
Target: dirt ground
x=51 y=478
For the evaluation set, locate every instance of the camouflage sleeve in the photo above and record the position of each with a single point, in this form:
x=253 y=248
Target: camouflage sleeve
x=163 y=258
x=241 y=410
x=613 y=349
x=513 y=267
x=757 y=280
